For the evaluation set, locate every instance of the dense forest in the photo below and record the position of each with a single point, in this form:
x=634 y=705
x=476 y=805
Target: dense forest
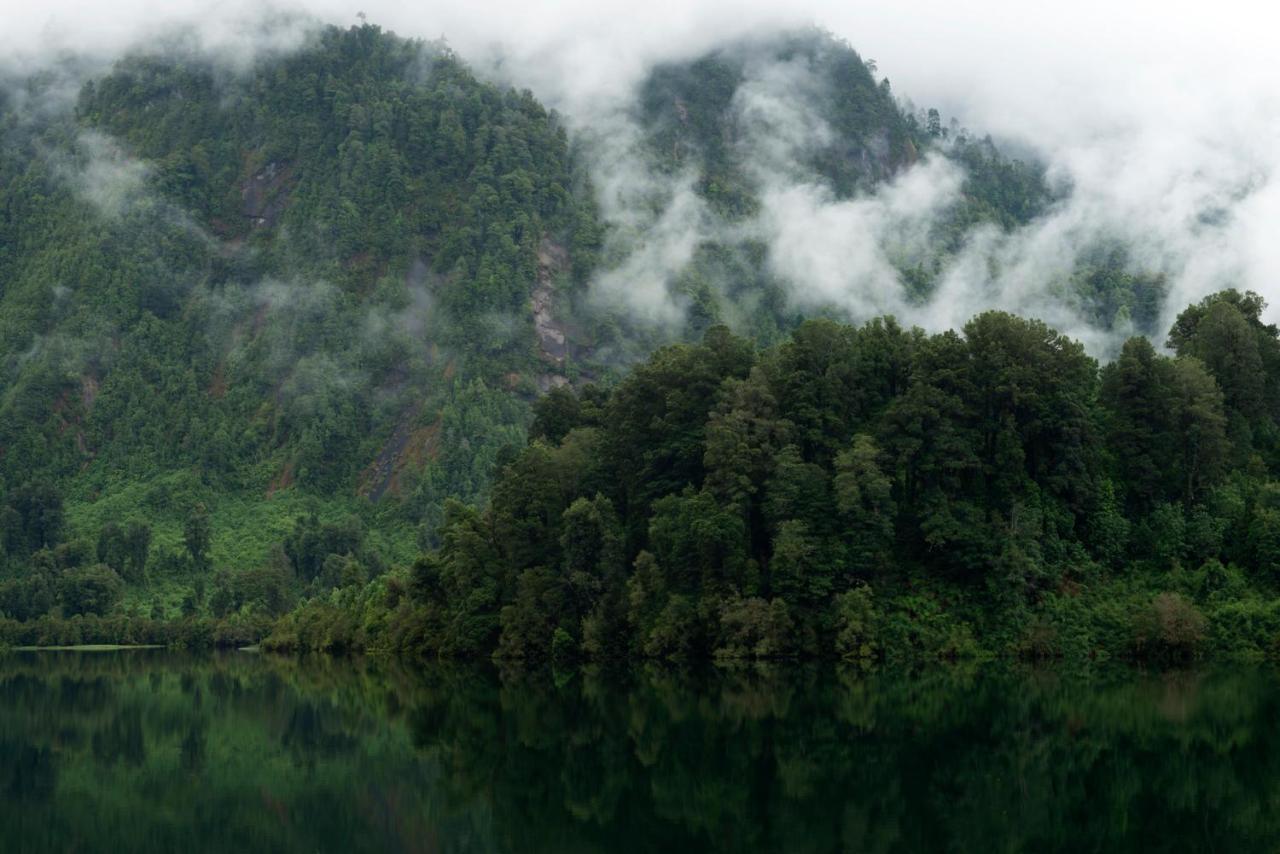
x=273 y=298
x=869 y=491
x=310 y=351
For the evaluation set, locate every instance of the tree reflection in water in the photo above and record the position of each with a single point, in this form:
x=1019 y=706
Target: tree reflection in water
x=157 y=751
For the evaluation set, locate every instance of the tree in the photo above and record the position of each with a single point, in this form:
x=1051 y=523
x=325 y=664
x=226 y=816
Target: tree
x=856 y=624
x=1136 y=397
x=137 y=542
x=1201 y=427
x=1166 y=429
x=92 y=589
x=554 y=415
x=311 y=542
x=1227 y=345
x=657 y=419
x=802 y=571
x=35 y=519
x=864 y=497
x=464 y=580
x=933 y=123
x=1226 y=332
x=112 y=547
x=700 y=545
x=197 y=532
x=591 y=539
x=540 y=609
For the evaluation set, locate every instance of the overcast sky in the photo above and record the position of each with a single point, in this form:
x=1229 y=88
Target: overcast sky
x=1000 y=52
x=1157 y=111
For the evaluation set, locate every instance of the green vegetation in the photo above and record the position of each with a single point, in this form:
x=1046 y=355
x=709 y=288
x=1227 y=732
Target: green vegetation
x=268 y=335
x=233 y=301
x=866 y=492
x=722 y=120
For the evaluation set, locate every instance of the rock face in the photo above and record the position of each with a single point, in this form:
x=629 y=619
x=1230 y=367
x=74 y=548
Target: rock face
x=265 y=195
x=552 y=341
x=546 y=382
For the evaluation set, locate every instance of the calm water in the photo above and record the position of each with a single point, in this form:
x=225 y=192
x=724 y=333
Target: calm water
x=153 y=751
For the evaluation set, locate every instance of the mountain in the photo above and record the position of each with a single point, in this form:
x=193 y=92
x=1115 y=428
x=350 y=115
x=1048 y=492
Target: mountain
x=310 y=279
x=748 y=147
x=258 y=325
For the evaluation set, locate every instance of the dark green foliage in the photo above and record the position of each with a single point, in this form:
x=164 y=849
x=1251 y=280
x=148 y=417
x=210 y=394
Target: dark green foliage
x=312 y=544
x=555 y=414
x=866 y=492
x=137 y=544
x=265 y=590
x=1226 y=333
x=196 y=534
x=31 y=519
x=309 y=274
x=285 y=313
x=1166 y=426
x=90 y=590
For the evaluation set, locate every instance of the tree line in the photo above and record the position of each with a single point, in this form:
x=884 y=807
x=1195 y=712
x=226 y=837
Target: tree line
x=859 y=491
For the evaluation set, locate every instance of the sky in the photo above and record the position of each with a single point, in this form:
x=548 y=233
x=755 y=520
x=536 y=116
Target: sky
x=996 y=58
x=1157 y=112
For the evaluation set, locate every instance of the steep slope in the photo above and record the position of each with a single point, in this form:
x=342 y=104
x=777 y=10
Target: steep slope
x=225 y=284
x=263 y=322
x=744 y=142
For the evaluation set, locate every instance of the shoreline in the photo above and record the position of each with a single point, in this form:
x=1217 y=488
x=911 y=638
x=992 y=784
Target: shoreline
x=86 y=647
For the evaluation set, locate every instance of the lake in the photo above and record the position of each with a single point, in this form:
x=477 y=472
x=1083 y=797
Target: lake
x=151 y=750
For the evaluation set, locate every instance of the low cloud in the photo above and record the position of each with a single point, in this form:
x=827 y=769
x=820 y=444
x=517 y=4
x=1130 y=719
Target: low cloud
x=1164 y=119
x=101 y=173
x=656 y=246
x=842 y=253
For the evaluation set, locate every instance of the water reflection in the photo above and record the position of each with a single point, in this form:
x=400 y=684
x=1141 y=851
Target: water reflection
x=154 y=751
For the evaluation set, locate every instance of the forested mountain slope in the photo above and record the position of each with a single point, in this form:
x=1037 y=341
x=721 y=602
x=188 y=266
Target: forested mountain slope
x=749 y=146
x=258 y=324
x=312 y=278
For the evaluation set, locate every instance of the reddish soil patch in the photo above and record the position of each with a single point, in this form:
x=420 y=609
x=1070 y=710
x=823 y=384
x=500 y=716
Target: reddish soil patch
x=283 y=480
x=218 y=384
x=407 y=450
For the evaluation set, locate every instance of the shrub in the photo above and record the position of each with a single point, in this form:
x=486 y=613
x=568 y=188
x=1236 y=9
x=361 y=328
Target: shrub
x=1245 y=627
x=1171 y=627
x=857 y=629
x=755 y=628
x=564 y=649
x=90 y=590
x=675 y=631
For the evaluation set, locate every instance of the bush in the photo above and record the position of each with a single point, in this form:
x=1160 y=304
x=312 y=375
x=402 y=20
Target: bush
x=1171 y=627
x=917 y=627
x=755 y=628
x=857 y=624
x=91 y=590
x=1245 y=628
x=675 y=632
x=564 y=649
